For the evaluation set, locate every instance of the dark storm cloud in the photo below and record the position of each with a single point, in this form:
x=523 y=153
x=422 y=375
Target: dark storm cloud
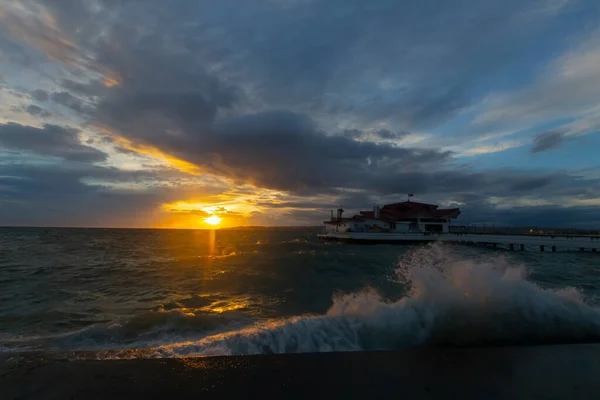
x=531 y=182
x=464 y=181
x=66 y=199
x=66 y=99
x=37 y=111
x=371 y=60
x=51 y=140
x=40 y=95
x=87 y=89
x=547 y=141
x=276 y=149
x=62 y=195
x=370 y=54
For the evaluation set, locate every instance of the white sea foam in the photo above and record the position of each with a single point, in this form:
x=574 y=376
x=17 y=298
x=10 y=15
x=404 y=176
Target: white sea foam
x=452 y=301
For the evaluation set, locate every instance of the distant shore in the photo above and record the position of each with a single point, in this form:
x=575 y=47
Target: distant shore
x=273 y=228
x=318 y=228
x=232 y=228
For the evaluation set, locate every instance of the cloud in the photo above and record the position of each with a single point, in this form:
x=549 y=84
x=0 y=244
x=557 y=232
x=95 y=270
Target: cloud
x=360 y=62
x=66 y=99
x=543 y=216
x=194 y=106
x=221 y=212
x=67 y=201
x=310 y=98
x=81 y=194
x=547 y=141
x=276 y=150
x=490 y=148
x=50 y=140
x=377 y=134
x=37 y=111
x=40 y=95
x=40 y=32
x=567 y=87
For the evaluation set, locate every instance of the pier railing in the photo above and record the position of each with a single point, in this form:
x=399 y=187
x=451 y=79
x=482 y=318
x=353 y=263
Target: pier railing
x=515 y=241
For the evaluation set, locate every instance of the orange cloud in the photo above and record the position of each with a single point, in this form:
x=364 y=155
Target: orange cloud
x=42 y=33
x=111 y=78
x=234 y=207
x=174 y=162
x=194 y=215
x=110 y=81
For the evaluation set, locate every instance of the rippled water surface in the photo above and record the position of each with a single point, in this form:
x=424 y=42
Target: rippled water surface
x=172 y=293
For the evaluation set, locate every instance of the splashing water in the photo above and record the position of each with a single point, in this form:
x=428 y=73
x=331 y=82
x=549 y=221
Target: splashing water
x=451 y=301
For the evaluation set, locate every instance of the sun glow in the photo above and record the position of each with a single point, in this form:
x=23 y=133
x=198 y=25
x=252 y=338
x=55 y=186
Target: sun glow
x=213 y=220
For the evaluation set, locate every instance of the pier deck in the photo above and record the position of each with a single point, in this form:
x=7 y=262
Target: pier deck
x=517 y=242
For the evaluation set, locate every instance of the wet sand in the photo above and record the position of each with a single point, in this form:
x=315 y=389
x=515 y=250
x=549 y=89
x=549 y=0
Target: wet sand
x=548 y=372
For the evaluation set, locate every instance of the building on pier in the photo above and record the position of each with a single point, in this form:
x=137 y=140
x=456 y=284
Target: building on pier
x=406 y=216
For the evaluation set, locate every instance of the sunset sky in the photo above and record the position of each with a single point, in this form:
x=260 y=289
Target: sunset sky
x=131 y=113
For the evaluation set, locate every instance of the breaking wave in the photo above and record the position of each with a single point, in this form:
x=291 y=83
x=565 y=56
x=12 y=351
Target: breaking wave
x=451 y=301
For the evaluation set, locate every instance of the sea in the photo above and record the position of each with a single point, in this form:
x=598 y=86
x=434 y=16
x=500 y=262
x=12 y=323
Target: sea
x=169 y=293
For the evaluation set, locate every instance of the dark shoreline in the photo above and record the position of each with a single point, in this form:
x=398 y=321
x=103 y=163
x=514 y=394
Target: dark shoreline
x=550 y=372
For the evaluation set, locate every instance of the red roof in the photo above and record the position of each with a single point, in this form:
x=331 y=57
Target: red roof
x=382 y=217
x=404 y=210
x=413 y=209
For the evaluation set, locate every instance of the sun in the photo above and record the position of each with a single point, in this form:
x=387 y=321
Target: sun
x=213 y=220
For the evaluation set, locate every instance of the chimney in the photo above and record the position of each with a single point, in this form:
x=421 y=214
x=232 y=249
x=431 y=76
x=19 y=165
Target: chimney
x=340 y=212
x=376 y=211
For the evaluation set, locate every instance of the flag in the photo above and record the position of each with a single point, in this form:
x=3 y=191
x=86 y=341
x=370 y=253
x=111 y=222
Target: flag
x=410 y=195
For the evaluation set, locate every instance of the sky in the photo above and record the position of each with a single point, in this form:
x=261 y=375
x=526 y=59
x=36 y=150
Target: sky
x=131 y=113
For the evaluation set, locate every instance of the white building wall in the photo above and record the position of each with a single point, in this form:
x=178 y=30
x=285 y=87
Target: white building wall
x=331 y=228
x=352 y=226
x=369 y=223
x=402 y=227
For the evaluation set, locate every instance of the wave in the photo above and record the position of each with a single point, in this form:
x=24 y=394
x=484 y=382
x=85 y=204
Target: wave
x=194 y=316
x=451 y=301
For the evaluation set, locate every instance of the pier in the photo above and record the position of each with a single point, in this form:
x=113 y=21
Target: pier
x=413 y=222
x=513 y=242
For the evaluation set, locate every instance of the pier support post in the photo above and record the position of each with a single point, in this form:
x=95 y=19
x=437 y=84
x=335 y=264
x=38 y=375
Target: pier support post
x=512 y=246
x=542 y=248
x=554 y=249
x=522 y=247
